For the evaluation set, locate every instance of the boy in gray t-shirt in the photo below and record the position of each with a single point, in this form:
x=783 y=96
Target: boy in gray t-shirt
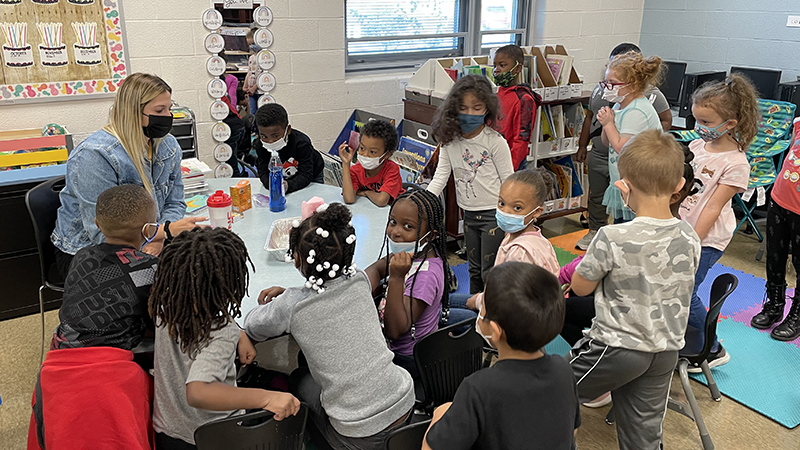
x=597 y=159
x=642 y=275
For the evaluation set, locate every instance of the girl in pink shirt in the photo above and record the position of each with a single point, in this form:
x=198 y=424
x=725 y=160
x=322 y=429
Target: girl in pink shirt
x=518 y=206
x=727 y=121
x=783 y=231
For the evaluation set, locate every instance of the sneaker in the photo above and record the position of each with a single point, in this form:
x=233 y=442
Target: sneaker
x=717 y=359
x=584 y=242
x=599 y=402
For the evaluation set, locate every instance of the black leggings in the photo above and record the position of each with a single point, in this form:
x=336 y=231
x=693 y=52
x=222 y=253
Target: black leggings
x=579 y=315
x=783 y=232
x=63 y=260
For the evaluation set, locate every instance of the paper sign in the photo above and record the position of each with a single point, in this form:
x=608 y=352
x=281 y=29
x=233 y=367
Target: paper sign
x=214 y=43
x=215 y=66
x=264 y=99
x=221 y=132
x=266 y=82
x=18 y=56
x=53 y=57
x=266 y=59
x=88 y=56
x=212 y=19
x=223 y=152
x=262 y=16
x=223 y=170
x=217 y=88
x=219 y=110
x=263 y=38
x=238 y=4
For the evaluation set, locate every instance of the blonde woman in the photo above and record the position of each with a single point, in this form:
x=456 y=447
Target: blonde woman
x=134 y=148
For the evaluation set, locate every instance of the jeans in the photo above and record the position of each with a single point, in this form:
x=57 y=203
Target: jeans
x=458 y=309
x=523 y=164
x=253 y=99
x=598 y=183
x=482 y=237
x=697 y=312
x=783 y=232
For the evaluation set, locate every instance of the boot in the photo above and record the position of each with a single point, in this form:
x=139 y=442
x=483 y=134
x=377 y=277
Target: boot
x=772 y=312
x=789 y=330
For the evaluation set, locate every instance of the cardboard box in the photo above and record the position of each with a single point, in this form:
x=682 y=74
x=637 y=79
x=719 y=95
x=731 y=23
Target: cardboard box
x=241 y=196
x=564 y=92
x=577 y=89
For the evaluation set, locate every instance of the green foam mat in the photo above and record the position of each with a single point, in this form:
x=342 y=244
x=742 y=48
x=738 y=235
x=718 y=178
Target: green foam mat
x=762 y=373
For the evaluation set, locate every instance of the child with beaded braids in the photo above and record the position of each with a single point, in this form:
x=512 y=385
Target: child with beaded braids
x=354 y=392
x=417 y=271
x=199 y=285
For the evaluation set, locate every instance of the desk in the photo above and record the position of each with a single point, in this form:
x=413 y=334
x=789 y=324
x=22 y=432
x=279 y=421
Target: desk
x=368 y=220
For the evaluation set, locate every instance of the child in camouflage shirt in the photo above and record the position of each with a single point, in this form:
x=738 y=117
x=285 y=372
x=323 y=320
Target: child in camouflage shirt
x=642 y=275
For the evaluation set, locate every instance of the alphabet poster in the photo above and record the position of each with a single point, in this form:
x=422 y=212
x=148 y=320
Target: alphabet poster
x=60 y=48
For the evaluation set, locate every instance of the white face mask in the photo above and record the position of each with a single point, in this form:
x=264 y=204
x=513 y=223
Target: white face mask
x=478 y=330
x=612 y=95
x=627 y=199
x=277 y=145
x=369 y=163
x=397 y=247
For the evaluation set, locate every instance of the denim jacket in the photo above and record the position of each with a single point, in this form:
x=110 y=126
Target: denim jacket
x=100 y=162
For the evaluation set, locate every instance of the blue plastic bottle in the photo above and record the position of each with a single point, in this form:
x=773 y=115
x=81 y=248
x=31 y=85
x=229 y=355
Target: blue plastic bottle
x=277 y=197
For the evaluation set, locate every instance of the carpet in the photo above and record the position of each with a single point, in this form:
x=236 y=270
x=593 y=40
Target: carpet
x=761 y=375
x=567 y=242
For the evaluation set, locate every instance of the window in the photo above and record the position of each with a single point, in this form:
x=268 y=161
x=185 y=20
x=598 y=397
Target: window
x=403 y=33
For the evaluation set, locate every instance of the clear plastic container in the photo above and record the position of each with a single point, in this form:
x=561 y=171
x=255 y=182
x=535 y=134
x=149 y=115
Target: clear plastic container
x=220 y=211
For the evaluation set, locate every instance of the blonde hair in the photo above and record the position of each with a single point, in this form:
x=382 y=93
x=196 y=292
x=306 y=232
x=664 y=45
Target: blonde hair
x=638 y=72
x=653 y=162
x=733 y=99
x=125 y=121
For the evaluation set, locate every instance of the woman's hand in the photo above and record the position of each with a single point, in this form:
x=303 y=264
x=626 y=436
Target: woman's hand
x=268 y=294
x=154 y=248
x=186 y=224
x=400 y=264
x=345 y=154
x=605 y=116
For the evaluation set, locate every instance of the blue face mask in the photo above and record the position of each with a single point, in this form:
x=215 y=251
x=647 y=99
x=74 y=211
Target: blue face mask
x=254 y=48
x=511 y=223
x=709 y=134
x=470 y=122
x=397 y=247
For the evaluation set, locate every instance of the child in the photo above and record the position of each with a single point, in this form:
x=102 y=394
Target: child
x=727 y=117
x=627 y=78
x=783 y=225
x=374 y=176
x=355 y=395
x=254 y=70
x=518 y=206
x=201 y=280
x=302 y=164
x=104 y=315
x=641 y=273
x=106 y=291
x=517 y=101
x=480 y=161
x=418 y=273
x=528 y=398
x=598 y=158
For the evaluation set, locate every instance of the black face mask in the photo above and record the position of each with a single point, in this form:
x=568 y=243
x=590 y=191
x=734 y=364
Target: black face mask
x=158 y=127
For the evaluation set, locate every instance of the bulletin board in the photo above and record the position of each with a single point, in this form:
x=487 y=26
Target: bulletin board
x=60 y=49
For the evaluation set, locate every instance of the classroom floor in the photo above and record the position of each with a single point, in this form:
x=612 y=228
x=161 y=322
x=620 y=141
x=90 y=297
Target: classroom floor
x=731 y=425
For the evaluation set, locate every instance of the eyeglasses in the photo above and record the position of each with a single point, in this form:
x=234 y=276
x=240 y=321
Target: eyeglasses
x=149 y=232
x=608 y=85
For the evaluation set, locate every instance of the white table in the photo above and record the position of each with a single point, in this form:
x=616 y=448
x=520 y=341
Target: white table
x=368 y=220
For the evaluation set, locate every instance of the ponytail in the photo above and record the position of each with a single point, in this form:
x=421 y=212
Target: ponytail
x=638 y=72
x=734 y=98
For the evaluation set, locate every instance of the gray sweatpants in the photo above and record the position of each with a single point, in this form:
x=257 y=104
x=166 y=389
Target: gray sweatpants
x=639 y=384
x=598 y=183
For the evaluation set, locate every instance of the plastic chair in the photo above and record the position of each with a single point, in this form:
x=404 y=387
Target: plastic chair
x=444 y=360
x=409 y=437
x=773 y=138
x=248 y=431
x=43 y=202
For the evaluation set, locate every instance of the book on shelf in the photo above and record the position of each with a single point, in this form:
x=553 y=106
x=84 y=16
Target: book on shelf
x=561 y=67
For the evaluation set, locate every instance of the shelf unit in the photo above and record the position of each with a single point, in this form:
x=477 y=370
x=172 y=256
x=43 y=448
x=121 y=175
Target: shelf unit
x=184 y=129
x=537 y=154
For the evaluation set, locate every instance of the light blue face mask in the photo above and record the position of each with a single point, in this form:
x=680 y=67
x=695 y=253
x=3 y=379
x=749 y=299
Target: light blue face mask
x=470 y=122
x=397 y=247
x=511 y=223
x=709 y=134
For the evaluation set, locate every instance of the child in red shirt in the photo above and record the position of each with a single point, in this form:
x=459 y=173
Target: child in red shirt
x=374 y=176
x=517 y=101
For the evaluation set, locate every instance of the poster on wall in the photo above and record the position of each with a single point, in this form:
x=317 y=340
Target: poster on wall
x=61 y=49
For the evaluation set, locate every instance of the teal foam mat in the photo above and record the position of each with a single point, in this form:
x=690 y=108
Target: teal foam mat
x=762 y=373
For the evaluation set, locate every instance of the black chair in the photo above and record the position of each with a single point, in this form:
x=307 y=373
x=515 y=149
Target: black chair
x=43 y=203
x=445 y=359
x=409 y=186
x=409 y=437
x=722 y=287
x=251 y=431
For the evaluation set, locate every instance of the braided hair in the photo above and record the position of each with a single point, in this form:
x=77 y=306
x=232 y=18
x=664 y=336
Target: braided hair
x=199 y=285
x=325 y=243
x=429 y=208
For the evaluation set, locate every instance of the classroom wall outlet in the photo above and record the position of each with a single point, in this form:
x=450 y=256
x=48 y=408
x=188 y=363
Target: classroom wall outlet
x=793 y=21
